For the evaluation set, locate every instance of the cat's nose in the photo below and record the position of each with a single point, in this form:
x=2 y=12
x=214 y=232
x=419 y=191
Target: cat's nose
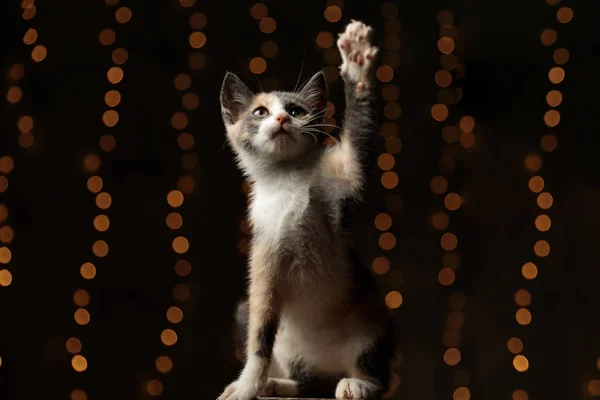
x=281 y=118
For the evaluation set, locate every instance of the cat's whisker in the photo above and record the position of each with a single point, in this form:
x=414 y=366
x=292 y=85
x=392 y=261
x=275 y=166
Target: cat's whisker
x=221 y=149
x=300 y=74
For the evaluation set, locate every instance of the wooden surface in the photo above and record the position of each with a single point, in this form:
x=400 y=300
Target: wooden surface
x=290 y=398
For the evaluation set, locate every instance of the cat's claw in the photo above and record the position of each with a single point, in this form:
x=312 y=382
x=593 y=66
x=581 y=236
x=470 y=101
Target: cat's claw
x=357 y=54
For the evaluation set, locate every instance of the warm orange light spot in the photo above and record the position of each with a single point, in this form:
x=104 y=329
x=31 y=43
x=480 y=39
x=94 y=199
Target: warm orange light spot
x=520 y=394
x=393 y=299
x=450 y=133
x=452 y=356
x=107 y=143
x=5 y=278
x=451 y=338
x=389 y=180
x=17 y=71
x=79 y=363
x=154 y=387
x=112 y=98
x=30 y=36
x=101 y=223
x=560 y=56
x=389 y=129
x=197 y=40
x=73 y=345
x=88 y=270
x=26 y=140
x=533 y=162
x=390 y=92
x=522 y=298
x=446 y=277
x=451 y=260
x=78 y=394
x=258 y=65
x=14 y=94
x=529 y=270
x=324 y=40
x=174 y=315
x=393 y=145
x=462 y=393
x=5 y=255
x=110 y=118
x=6 y=234
x=386 y=161
x=548 y=142
x=439 y=112
x=187 y=3
x=183 y=268
x=541 y=248
x=198 y=21
x=164 y=364
x=387 y=241
x=269 y=49
x=190 y=101
x=39 y=53
x=25 y=123
x=448 y=61
x=3 y=212
x=333 y=14
x=182 y=82
x=440 y=221
x=114 y=75
x=100 y=248
x=593 y=387
x=548 y=37
x=439 y=185
x=259 y=11
x=107 y=37
x=196 y=60
x=556 y=75
x=523 y=316
x=82 y=316
x=94 y=184
x=515 y=345
x=457 y=301
x=3 y=184
x=392 y=111
x=445 y=17
x=554 y=98
x=543 y=223
x=179 y=120
x=185 y=141
x=174 y=220
x=123 y=15
x=186 y=184
x=452 y=201
x=168 y=337
x=91 y=162
x=385 y=73
x=180 y=245
x=119 y=56
x=467 y=124
x=381 y=265
x=81 y=297
x=103 y=200
x=267 y=25
x=181 y=292
x=449 y=241
x=521 y=363
x=383 y=222
x=564 y=15
x=175 y=198
x=446 y=45
x=536 y=184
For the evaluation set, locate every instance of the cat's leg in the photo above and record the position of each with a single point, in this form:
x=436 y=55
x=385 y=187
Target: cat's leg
x=262 y=328
x=345 y=162
x=280 y=387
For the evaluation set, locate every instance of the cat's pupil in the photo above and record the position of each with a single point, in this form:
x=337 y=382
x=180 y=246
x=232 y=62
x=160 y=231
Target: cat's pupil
x=297 y=111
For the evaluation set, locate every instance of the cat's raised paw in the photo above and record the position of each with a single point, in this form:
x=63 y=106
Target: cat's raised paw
x=357 y=54
x=238 y=391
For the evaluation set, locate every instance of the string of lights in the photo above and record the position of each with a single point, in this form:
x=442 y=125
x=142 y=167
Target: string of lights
x=92 y=163
x=448 y=95
x=386 y=161
x=25 y=124
x=185 y=186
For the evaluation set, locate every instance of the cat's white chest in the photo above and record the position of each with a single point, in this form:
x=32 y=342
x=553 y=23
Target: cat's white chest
x=277 y=209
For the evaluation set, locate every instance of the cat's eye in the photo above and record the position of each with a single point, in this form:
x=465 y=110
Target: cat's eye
x=260 y=112
x=298 y=112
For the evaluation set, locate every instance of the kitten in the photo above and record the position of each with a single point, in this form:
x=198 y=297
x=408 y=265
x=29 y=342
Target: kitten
x=315 y=325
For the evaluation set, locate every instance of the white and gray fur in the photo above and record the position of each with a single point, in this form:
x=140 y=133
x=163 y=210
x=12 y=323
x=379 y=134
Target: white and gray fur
x=313 y=324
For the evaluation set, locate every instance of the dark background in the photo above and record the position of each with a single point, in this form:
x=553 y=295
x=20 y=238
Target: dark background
x=504 y=88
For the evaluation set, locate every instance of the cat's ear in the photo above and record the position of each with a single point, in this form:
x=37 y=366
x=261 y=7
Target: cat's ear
x=315 y=91
x=235 y=97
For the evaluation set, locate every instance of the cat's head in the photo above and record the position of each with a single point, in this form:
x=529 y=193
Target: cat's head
x=274 y=126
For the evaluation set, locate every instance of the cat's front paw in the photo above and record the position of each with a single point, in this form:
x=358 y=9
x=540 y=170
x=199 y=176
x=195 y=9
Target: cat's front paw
x=357 y=54
x=349 y=388
x=239 y=391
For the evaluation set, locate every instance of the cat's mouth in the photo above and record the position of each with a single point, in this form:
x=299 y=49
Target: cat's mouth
x=282 y=133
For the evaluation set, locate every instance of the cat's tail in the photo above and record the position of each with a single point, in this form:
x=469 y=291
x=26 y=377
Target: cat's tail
x=240 y=330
